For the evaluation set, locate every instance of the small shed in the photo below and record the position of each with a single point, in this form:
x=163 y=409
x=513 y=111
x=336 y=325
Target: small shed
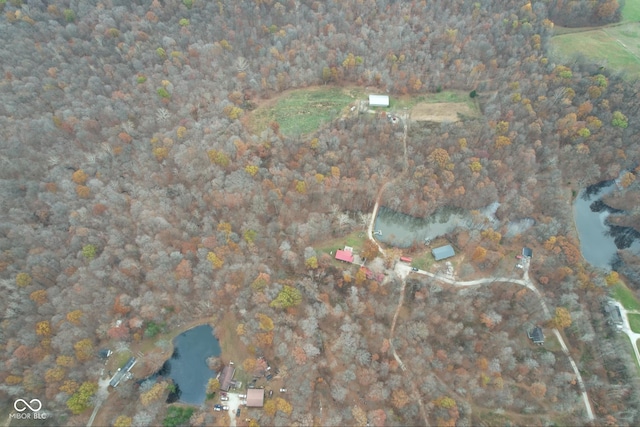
x=378 y=100
x=536 y=335
x=443 y=252
x=527 y=252
x=255 y=397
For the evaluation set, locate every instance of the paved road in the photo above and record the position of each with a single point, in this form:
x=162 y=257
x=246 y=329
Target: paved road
x=626 y=328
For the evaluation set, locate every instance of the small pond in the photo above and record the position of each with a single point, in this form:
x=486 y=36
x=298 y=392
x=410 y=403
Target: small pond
x=403 y=230
x=599 y=241
x=188 y=367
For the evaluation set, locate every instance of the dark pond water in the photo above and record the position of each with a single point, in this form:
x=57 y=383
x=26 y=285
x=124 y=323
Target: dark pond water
x=599 y=241
x=188 y=367
x=402 y=230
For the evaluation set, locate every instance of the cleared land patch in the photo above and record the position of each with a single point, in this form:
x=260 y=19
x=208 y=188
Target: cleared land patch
x=302 y=111
x=602 y=46
x=615 y=46
x=441 y=111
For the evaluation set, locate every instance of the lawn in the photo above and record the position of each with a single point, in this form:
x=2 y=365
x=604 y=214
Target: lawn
x=631 y=11
x=615 y=47
x=625 y=296
x=355 y=239
x=423 y=261
x=303 y=111
x=634 y=322
x=633 y=354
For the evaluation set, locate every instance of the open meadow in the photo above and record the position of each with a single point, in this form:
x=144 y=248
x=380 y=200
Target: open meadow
x=614 y=47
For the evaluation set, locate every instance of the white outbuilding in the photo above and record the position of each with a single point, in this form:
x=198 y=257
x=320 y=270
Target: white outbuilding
x=378 y=100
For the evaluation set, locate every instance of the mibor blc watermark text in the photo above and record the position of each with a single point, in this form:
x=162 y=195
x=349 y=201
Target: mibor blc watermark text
x=34 y=405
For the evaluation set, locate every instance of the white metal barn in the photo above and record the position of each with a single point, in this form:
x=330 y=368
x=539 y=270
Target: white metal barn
x=378 y=100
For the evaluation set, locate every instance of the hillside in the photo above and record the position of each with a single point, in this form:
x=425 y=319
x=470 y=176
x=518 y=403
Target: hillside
x=165 y=164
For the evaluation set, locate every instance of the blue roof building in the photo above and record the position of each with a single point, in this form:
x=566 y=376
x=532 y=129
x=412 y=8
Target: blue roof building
x=443 y=252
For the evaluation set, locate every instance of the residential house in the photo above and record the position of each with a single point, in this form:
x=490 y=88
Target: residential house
x=226 y=377
x=536 y=335
x=345 y=254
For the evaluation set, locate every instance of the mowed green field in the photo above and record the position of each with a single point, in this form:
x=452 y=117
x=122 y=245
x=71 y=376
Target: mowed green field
x=631 y=11
x=611 y=47
x=615 y=47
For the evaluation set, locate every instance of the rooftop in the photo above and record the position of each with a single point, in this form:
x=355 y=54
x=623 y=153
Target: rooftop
x=443 y=252
x=536 y=335
x=255 y=397
x=226 y=377
x=342 y=255
x=379 y=100
x=528 y=252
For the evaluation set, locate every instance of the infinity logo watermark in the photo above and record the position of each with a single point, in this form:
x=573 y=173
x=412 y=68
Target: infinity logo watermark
x=21 y=405
x=25 y=405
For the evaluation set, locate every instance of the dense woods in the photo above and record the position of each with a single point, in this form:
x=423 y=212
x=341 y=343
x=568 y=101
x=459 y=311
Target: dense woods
x=132 y=190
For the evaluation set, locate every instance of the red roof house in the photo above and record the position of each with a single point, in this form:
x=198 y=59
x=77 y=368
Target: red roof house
x=342 y=255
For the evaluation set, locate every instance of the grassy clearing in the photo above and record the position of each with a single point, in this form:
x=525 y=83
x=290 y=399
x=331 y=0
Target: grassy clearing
x=423 y=261
x=354 y=239
x=634 y=322
x=303 y=111
x=631 y=10
x=615 y=47
x=630 y=350
x=625 y=296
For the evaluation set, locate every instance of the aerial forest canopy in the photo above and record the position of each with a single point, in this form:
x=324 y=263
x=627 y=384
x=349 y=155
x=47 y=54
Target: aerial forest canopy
x=137 y=195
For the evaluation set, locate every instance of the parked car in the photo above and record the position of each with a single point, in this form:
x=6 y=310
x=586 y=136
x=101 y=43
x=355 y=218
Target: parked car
x=217 y=408
x=269 y=377
x=242 y=396
x=414 y=269
x=270 y=393
x=283 y=390
x=224 y=398
x=238 y=412
x=225 y=408
x=518 y=256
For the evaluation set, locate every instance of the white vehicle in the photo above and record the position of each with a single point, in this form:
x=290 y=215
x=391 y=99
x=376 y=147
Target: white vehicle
x=242 y=396
x=225 y=408
x=283 y=390
x=224 y=398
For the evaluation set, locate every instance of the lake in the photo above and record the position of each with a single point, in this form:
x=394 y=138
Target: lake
x=599 y=242
x=188 y=367
x=403 y=230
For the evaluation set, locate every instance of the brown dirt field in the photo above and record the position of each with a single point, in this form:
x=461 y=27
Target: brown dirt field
x=440 y=112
